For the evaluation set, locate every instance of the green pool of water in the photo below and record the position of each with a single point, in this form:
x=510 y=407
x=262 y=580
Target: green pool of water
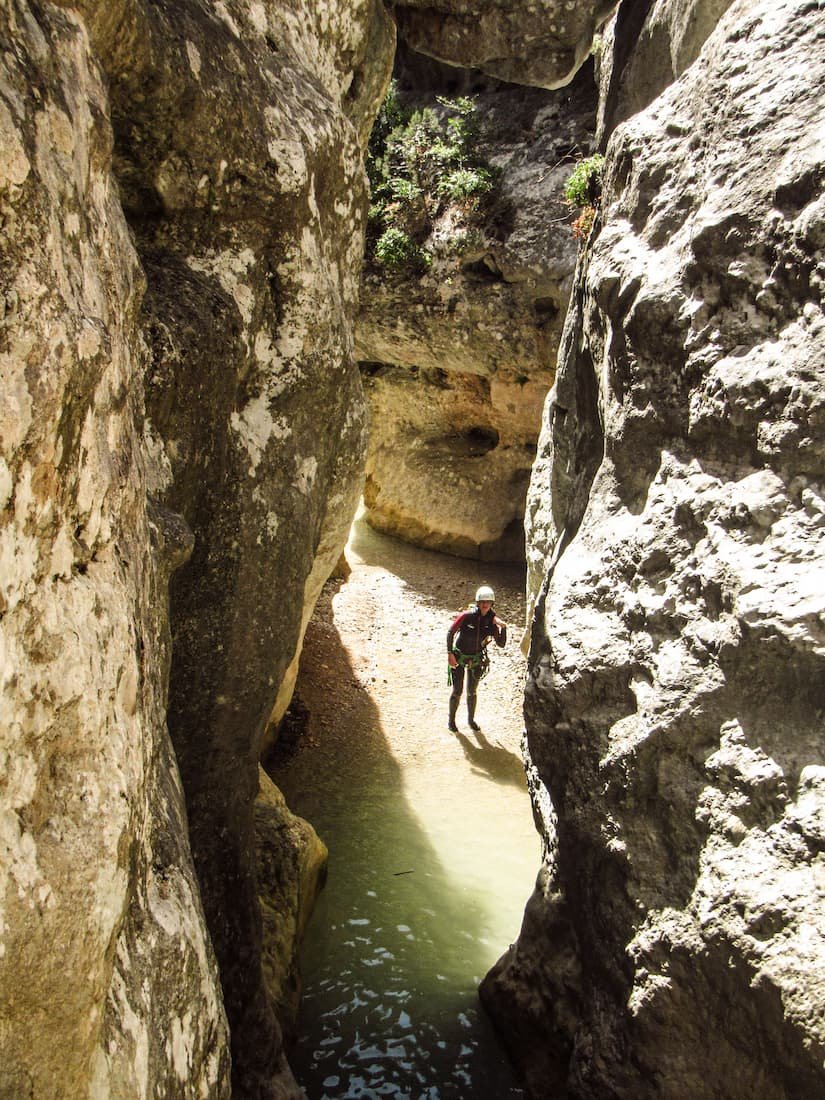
x=430 y=867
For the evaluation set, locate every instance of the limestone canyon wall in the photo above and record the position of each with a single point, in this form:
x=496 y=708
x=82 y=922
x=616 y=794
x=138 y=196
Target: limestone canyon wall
x=458 y=359
x=244 y=181
x=182 y=203
x=675 y=943
x=108 y=984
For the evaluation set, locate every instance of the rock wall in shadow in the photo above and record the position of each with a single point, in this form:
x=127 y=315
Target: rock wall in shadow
x=242 y=178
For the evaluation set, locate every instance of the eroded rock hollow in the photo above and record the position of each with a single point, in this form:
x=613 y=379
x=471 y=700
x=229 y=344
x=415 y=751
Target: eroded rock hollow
x=458 y=359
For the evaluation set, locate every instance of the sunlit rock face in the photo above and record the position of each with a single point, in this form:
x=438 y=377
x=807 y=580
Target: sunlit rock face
x=457 y=362
x=646 y=48
x=541 y=43
x=675 y=944
x=204 y=362
x=108 y=984
x=242 y=179
x=450 y=456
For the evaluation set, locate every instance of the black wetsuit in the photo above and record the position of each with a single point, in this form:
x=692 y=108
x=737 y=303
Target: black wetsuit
x=467 y=637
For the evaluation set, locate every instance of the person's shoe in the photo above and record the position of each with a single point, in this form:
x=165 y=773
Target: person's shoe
x=471 y=714
x=451 y=726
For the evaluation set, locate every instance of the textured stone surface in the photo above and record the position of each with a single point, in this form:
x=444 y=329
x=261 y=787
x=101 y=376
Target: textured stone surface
x=242 y=179
x=236 y=129
x=467 y=351
x=541 y=43
x=108 y=985
x=292 y=865
x=675 y=945
x=647 y=46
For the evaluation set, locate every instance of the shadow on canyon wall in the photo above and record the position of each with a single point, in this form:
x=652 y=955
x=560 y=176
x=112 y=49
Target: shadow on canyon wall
x=407 y=924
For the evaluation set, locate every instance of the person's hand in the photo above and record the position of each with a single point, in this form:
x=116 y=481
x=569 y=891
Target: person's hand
x=499 y=622
x=453 y=660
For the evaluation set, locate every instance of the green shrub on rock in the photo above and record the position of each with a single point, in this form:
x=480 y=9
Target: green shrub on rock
x=466 y=184
x=395 y=248
x=420 y=162
x=584 y=190
x=584 y=187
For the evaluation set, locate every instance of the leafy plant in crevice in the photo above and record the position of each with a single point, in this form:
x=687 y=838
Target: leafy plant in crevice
x=465 y=240
x=395 y=248
x=584 y=190
x=466 y=184
x=419 y=162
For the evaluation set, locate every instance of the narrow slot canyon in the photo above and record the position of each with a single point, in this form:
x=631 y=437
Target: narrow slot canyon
x=543 y=287
x=432 y=846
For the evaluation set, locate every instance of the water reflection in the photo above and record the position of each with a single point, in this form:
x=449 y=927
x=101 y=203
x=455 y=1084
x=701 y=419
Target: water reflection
x=392 y=966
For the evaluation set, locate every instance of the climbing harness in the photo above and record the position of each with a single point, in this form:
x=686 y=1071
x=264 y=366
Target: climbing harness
x=479 y=662
x=473 y=661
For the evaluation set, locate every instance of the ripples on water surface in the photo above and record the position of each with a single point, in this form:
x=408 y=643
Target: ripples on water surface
x=433 y=852
x=416 y=910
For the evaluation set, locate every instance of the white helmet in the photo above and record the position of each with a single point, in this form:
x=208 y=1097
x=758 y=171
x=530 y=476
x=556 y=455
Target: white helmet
x=485 y=593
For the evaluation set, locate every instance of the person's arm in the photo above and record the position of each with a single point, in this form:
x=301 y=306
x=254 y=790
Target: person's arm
x=499 y=630
x=456 y=625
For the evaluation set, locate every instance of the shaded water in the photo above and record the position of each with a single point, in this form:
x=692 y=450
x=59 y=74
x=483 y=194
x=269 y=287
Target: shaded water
x=432 y=846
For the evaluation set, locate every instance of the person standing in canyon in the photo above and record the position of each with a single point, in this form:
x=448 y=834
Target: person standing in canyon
x=467 y=639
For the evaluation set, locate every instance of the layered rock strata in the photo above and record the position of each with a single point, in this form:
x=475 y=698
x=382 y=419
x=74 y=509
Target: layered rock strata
x=457 y=361
x=675 y=943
